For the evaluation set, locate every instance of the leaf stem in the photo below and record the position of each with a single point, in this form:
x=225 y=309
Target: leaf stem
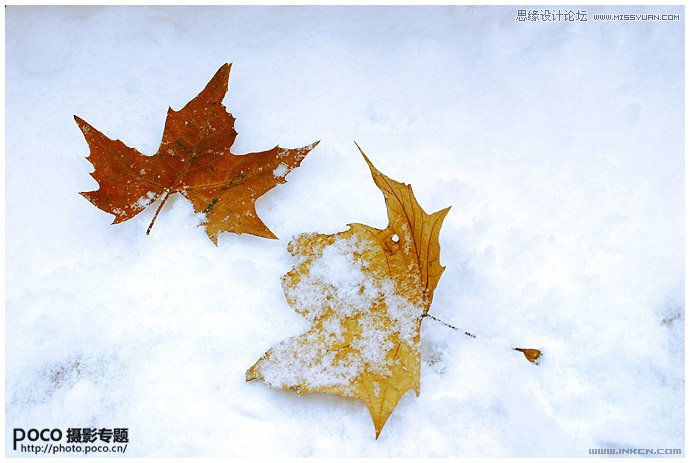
x=447 y=324
x=165 y=198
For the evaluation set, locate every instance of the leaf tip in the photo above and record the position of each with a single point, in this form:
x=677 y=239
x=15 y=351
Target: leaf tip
x=374 y=170
x=224 y=69
x=442 y=213
x=223 y=74
x=254 y=372
x=87 y=195
x=212 y=235
x=360 y=150
x=269 y=234
x=83 y=125
x=217 y=87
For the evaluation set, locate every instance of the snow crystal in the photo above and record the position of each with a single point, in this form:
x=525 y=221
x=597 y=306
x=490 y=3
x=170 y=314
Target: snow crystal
x=145 y=200
x=333 y=326
x=373 y=344
x=281 y=170
x=334 y=276
x=291 y=365
x=405 y=314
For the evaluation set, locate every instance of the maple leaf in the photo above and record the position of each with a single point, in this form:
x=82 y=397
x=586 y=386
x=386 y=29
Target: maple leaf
x=365 y=292
x=194 y=159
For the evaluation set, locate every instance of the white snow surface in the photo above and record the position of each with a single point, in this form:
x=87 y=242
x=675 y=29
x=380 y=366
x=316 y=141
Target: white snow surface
x=559 y=146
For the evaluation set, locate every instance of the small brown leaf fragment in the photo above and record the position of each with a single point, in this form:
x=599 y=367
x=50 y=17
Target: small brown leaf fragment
x=365 y=293
x=194 y=159
x=530 y=354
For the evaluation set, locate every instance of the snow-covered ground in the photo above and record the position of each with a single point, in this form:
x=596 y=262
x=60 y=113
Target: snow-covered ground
x=558 y=144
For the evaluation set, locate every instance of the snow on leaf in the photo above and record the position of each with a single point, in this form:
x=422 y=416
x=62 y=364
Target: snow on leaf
x=365 y=291
x=194 y=159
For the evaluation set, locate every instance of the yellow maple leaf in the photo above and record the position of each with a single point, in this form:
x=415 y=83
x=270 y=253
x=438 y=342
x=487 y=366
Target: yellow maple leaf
x=365 y=291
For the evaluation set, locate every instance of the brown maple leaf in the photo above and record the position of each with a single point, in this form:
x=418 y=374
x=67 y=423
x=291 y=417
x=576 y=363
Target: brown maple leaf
x=365 y=292
x=194 y=159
